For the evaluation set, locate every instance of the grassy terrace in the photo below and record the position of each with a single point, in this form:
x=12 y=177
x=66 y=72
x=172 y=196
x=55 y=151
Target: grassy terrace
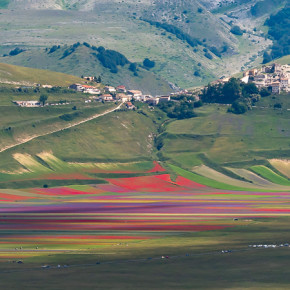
x=226 y=138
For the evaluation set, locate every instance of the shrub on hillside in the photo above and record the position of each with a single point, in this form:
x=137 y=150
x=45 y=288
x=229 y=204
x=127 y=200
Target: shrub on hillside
x=86 y=44
x=264 y=92
x=277 y=106
x=196 y=73
x=238 y=107
x=179 y=110
x=16 y=51
x=215 y=51
x=133 y=68
x=148 y=63
x=236 y=30
x=111 y=59
x=208 y=55
x=53 y=49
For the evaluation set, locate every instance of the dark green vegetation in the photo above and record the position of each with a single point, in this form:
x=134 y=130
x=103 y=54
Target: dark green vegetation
x=279 y=27
x=4 y=4
x=265 y=6
x=242 y=96
x=236 y=30
x=180 y=107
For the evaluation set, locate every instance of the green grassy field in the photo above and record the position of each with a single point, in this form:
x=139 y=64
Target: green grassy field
x=205 y=267
x=39 y=121
x=226 y=138
x=270 y=175
x=19 y=74
x=112 y=138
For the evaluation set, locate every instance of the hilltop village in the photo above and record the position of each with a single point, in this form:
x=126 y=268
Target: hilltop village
x=274 y=77
x=97 y=93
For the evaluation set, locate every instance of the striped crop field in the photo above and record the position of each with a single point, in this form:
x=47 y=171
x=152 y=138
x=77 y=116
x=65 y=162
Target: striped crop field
x=124 y=210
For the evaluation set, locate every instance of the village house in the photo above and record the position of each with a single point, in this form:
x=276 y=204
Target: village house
x=253 y=72
x=89 y=78
x=260 y=80
x=163 y=99
x=144 y=98
x=276 y=88
x=135 y=94
x=284 y=82
x=153 y=101
x=47 y=86
x=27 y=103
x=277 y=68
x=245 y=79
x=123 y=97
x=90 y=90
x=109 y=89
x=130 y=106
x=77 y=87
x=121 y=89
x=107 y=98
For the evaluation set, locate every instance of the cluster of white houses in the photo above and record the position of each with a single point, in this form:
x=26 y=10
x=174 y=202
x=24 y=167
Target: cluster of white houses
x=274 y=76
x=119 y=93
x=27 y=103
x=107 y=94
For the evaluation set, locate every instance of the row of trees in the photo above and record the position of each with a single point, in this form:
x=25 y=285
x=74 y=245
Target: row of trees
x=182 y=107
x=111 y=59
x=176 y=31
x=180 y=110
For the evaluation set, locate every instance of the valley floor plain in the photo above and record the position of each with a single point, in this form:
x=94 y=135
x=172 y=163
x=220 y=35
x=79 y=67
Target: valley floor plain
x=132 y=199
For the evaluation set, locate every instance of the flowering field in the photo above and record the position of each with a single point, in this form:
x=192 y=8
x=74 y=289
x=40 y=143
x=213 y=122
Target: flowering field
x=124 y=210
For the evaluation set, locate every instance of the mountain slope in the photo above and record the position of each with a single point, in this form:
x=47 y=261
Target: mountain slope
x=32 y=24
x=11 y=74
x=80 y=59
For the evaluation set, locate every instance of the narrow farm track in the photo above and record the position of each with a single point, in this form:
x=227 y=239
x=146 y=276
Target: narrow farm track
x=61 y=129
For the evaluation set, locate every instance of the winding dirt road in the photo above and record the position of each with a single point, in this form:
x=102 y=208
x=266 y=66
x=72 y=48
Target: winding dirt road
x=61 y=129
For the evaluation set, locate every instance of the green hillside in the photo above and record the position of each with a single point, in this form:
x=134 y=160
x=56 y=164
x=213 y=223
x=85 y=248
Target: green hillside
x=227 y=138
x=80 y=59
x=222 y=141
x=117 y=137
x=10 y=74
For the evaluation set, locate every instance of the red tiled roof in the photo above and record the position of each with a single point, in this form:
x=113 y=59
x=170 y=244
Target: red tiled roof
x=88 y=87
